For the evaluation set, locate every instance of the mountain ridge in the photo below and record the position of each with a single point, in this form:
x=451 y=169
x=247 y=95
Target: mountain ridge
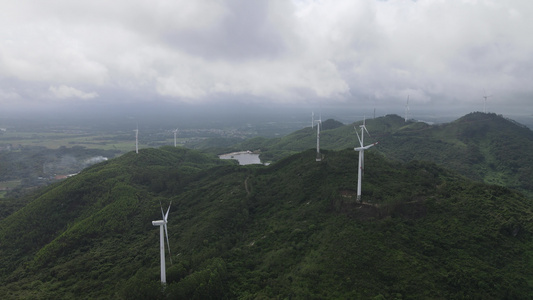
x=291 y=229
x=482 y=146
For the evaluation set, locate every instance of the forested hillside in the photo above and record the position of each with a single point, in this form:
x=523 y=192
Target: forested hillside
x=292 y=229
x=483 y=147
x=24 y=168
x=33 y=162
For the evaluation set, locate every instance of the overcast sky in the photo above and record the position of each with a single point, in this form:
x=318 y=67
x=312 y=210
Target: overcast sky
x=345 y=53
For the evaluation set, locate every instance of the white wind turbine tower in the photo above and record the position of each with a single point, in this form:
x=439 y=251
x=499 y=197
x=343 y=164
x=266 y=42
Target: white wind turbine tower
x=162 y=233
x=175 y=133
x=361 y=151
x=485 y=101
x=318 y=125
x=407 y=109
x=136 y=139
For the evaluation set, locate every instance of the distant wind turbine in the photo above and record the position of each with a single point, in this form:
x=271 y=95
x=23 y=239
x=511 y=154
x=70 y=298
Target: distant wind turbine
x=485 y=101
x=318 y=125
x=137 y=139
x=175 y=133
x=312 y=119
x=361 y=151
x=162 y=233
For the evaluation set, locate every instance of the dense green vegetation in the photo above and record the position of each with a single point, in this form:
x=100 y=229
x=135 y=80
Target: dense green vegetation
x=289 y=230
x=33 y=166
x=277 y=148
x=483 y=147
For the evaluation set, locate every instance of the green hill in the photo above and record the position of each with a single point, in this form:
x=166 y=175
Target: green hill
x=289 y=230
x=483 y=147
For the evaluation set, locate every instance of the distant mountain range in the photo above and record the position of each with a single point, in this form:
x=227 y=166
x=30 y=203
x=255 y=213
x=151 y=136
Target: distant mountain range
x=289 y=230
x=483 y=147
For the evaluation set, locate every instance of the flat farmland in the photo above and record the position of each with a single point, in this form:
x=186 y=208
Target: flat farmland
x=121 y=141
x=7 y=185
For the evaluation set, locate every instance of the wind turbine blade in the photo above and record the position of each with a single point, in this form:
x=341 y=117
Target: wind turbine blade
x=168 y=210
x=360 y=142
x=168 y=244
x=366 y=130
x=368 y=146
x=162 y=213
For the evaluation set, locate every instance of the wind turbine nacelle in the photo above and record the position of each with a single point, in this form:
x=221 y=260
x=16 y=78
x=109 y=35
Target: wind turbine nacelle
x=158 y=223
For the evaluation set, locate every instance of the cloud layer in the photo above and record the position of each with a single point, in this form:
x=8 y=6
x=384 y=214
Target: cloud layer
x=303 y=51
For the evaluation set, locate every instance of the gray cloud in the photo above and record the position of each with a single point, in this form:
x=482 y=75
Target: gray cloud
x=62 y=92
x=302 y=51
x=245 y=30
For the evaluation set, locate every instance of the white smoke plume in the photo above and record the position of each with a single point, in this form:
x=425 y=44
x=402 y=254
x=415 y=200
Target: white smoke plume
x=94 y=160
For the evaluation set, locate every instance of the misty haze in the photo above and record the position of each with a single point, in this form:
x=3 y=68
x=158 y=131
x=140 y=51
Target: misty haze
x=239 y=149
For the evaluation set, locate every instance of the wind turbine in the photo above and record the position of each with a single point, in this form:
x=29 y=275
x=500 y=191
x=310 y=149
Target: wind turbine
x=361 y=151
x=407 y=108
x=485 y=102
x=161 y=224
x=136 y=139
x=175 y=132
x=318 y=125
x=312 y=119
